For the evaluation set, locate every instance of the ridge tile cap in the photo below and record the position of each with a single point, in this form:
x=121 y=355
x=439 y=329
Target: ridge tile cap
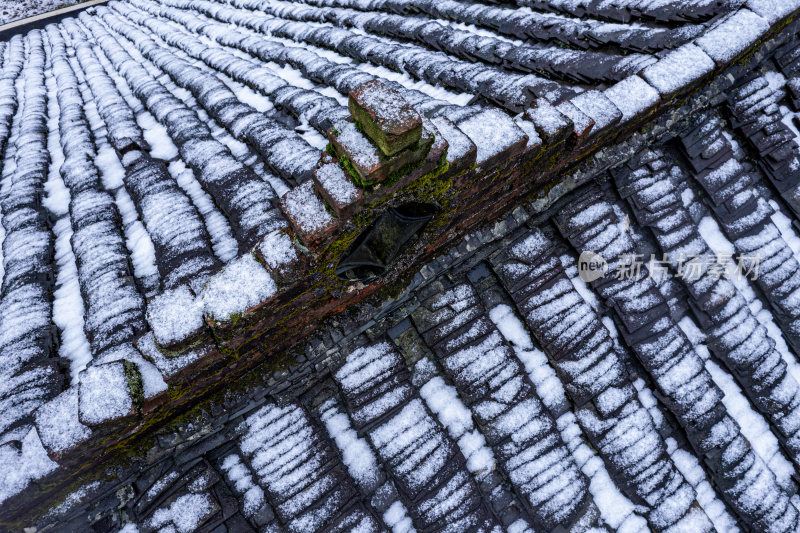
x=733 y=35
x=678 y=69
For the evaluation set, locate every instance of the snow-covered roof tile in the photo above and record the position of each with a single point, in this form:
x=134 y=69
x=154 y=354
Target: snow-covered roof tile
x=632 y=96
x=461 y=151
x=175 y=316
x=733 y=35
x=170 y=366
x=162 y=229
x=106 y=394
x=773 y=10
x=495 y=134
x=58 y=425
x=582 y=123
x=242 y=285
x=307 y=214
x=599 y=108
x=678 y=69
x=278 y=252
x=337 y=189
x=551 y=125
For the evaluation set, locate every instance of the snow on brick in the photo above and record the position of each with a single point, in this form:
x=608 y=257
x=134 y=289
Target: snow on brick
x=581 y=122
x=733 y=35
x=168 y=366
x=494 y=133
x=20 y=466
x=152 y=381
x=551 y=125
x=307 y=213
x=105 y=394
x=242 y=480
x=461 y=151
x=174 y=316
x=632 y=96
x=678 y=69
x=361 y=151
x=278 y=253
x=773 y=10
x=529 y=128
x=599 y=108
x=336 y=187
x=186 y=513
x=240 y=286
x=57 y=422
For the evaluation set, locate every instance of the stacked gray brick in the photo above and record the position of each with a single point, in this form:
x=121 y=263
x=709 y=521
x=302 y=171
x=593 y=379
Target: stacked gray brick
x=744 y=217
x=428 y=469
x=755 y=114
x=251 y=216
x=29 y=368
x=684 y=385
x=581 y=350
x=735 y=334
x=495 y=387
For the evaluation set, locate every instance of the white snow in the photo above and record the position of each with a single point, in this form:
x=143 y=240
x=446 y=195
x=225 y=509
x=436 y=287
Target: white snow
x=615 y=508
x=752 y=423
x=152 y=381
x=458 y=144
x=306 y=209
x=239 y=475
x=186 y=512
x=712 y=234
x=242 y=284
x=336 y=183
x=632 y=96
x=12 y=10
x=104 y=393
x=68 y=305
x=167 y=366
x=225 y=246
x=174 y=315
x=599 y=107
x=360 y=150
x=17 y=469
x=161 y=145
x=396 y=517
x=732 y=35
x=543 y=376
x=678 y=69
x=58 y=424
x=694 y=474
x=356 y=453
x=137 y=240
x=442 y=399
x=277 y=250
x=73 y=499
x=784 y=224
x=773 y=10
x=492 y=131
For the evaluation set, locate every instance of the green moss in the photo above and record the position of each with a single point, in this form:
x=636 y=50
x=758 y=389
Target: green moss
x=376 y=134
x=135 y=384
